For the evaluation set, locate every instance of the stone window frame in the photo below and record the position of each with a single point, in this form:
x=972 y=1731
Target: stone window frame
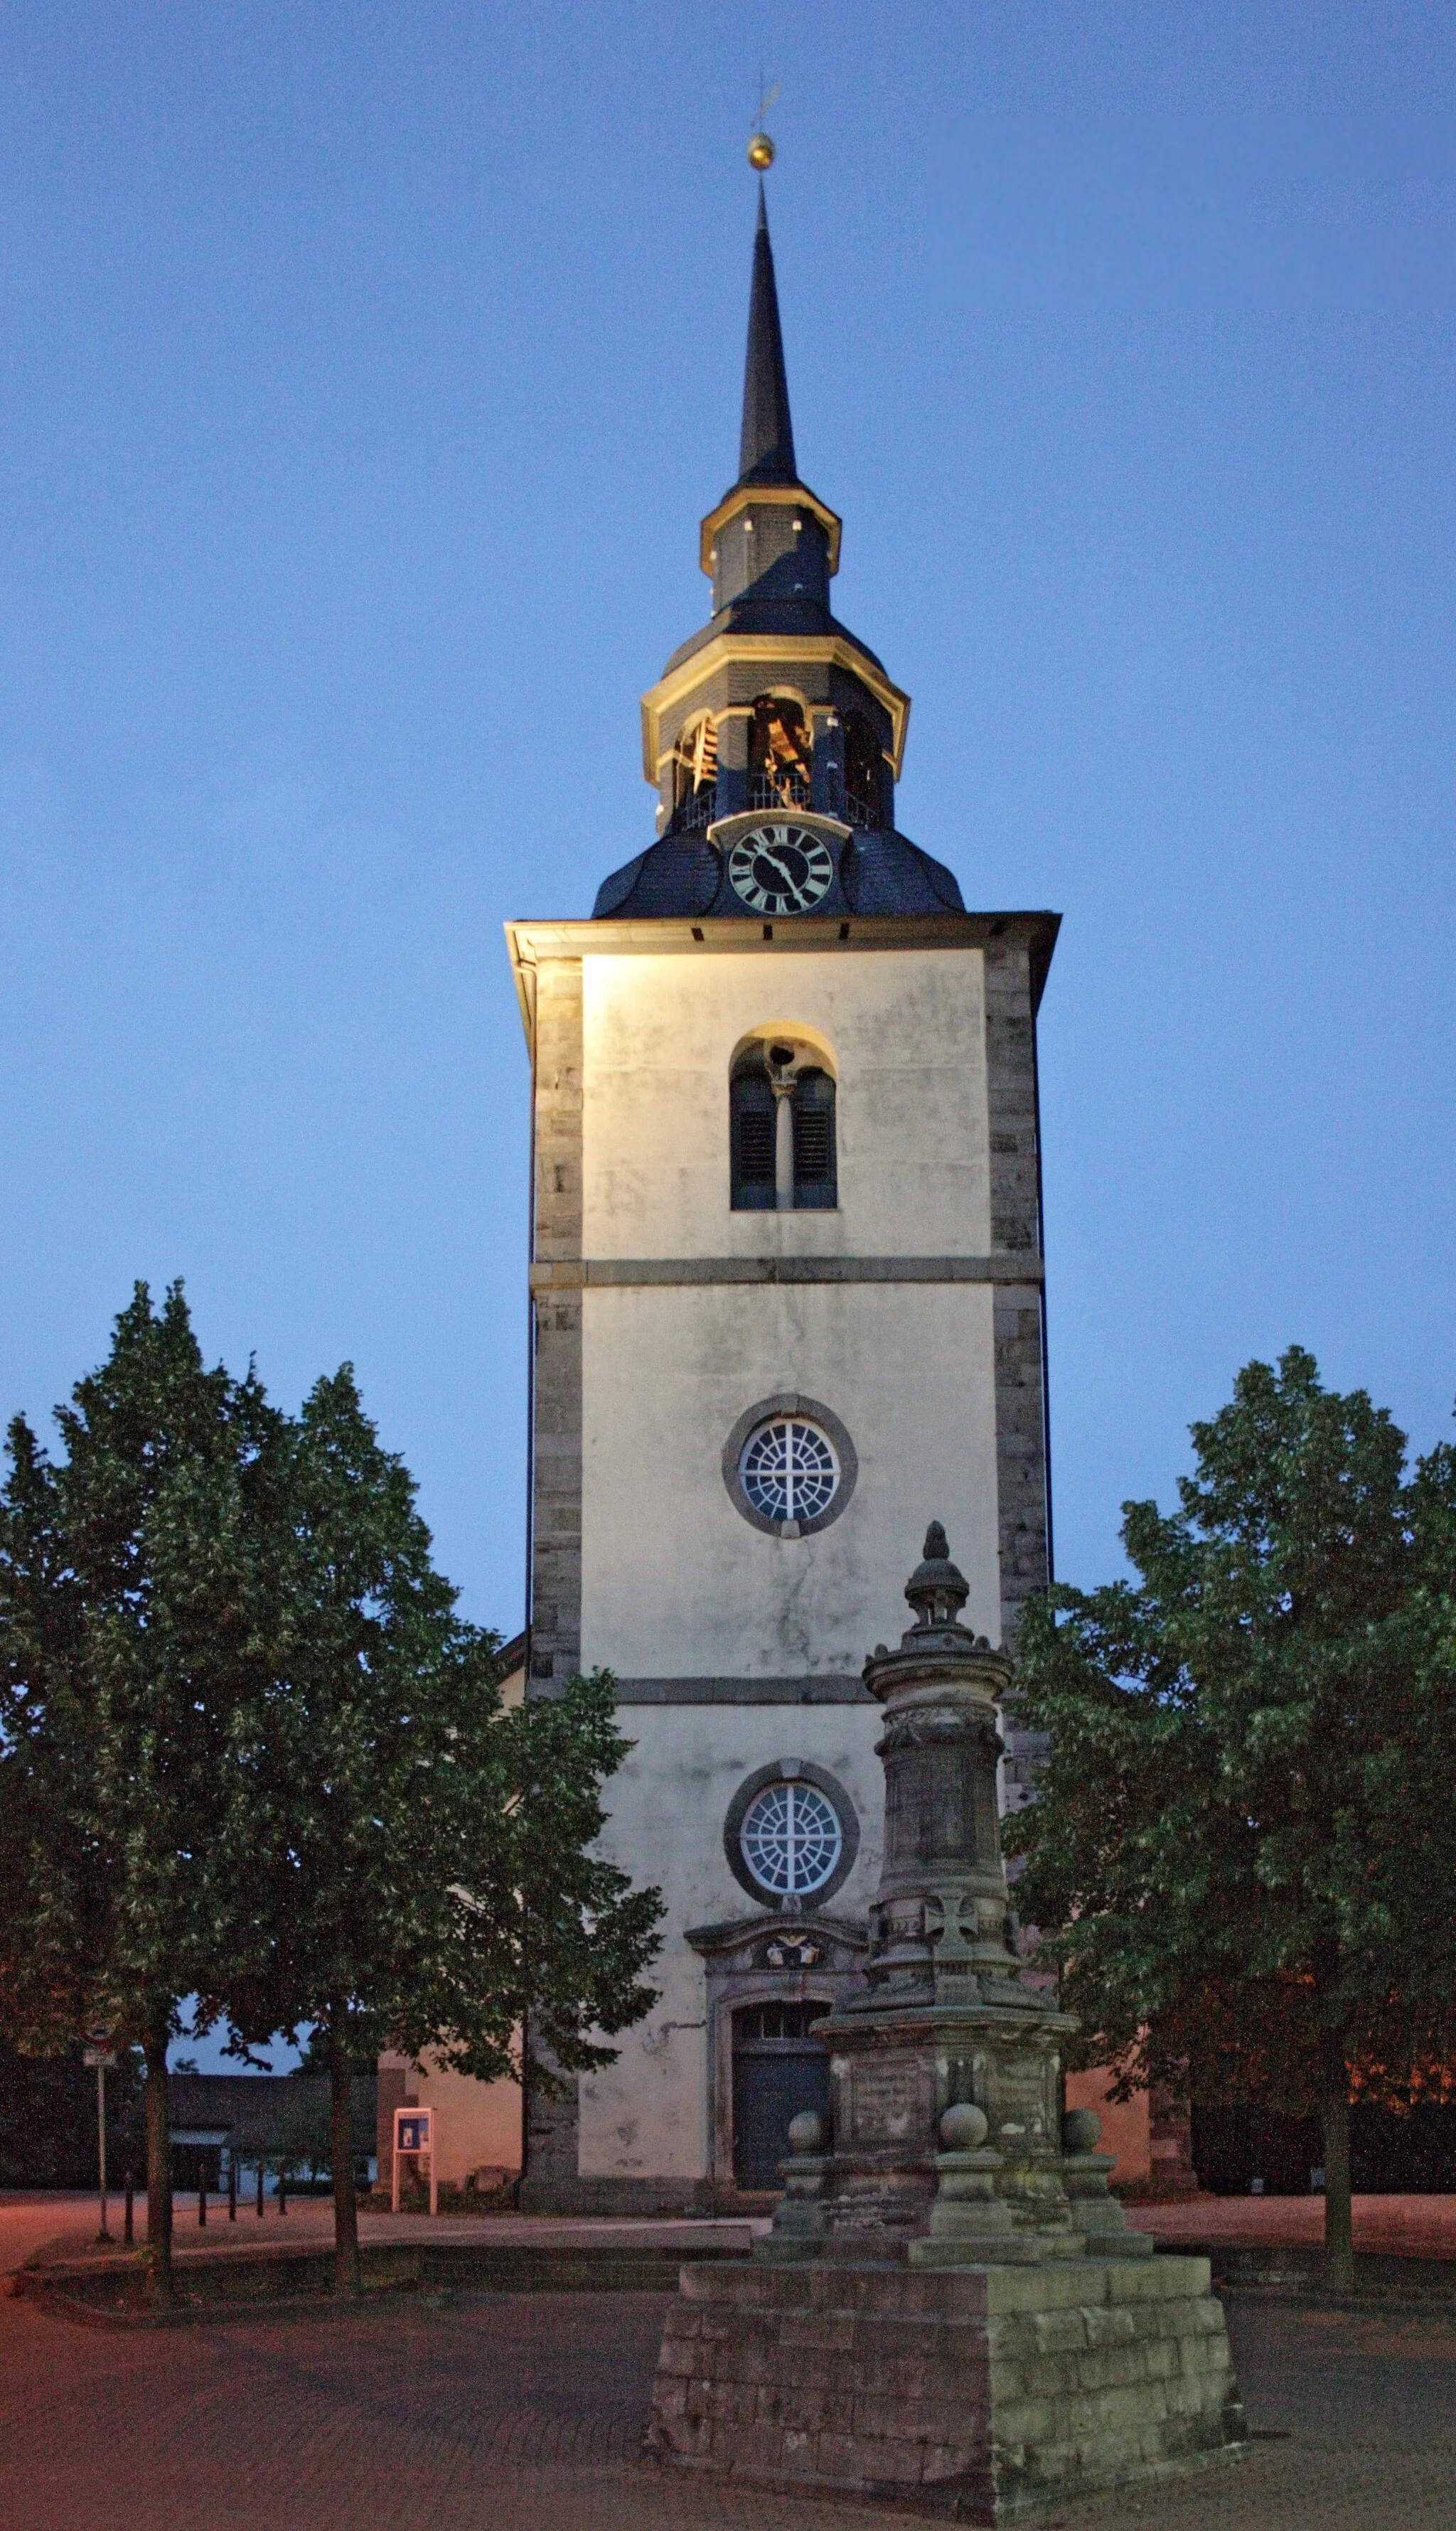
x=808 y=1053
x=789 y=1402
x=792 y=1770
x=805 y=1985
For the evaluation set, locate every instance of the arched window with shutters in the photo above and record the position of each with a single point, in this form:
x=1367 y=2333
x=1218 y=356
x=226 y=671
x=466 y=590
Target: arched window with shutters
x=783 y=1154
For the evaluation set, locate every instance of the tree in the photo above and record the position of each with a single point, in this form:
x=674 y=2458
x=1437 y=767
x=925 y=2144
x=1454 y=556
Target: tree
x=134 y=1604
x=1243 y=1842
x=416 y=1858
x=49 y=2119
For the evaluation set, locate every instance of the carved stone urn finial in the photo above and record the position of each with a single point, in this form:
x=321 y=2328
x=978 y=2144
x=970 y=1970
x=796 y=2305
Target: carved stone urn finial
x=937 y=1590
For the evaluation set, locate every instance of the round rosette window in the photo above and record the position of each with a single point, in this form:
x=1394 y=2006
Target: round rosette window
x=791 y=1834
x=791 y=1840
x=790 y=1466
x=789 y=1469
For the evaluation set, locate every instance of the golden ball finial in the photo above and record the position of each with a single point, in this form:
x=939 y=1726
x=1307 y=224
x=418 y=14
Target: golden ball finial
x=760 y=151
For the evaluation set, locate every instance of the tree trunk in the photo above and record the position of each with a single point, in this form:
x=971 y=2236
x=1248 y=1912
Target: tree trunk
x=158 y=2167
x=1335 y=2110
x=341 y=2150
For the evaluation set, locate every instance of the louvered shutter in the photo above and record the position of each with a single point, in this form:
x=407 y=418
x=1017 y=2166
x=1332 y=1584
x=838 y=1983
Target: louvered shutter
x=815 y=1175
x=752 y=1141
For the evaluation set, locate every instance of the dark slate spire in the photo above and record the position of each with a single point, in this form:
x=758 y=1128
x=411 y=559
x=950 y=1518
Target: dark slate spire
x=765 y=453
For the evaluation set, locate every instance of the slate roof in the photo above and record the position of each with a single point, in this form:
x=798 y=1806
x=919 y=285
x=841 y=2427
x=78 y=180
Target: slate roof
x=881 y=874
x=685 y=876
x=263 y=2113
x=766 y=447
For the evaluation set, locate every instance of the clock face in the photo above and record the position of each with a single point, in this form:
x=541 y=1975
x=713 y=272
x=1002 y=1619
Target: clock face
x=780 y=870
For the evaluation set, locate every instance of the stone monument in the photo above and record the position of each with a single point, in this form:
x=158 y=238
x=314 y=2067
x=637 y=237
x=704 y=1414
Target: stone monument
x=949 y=2312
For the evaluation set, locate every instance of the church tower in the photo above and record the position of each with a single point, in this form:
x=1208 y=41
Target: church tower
x=787 y=1288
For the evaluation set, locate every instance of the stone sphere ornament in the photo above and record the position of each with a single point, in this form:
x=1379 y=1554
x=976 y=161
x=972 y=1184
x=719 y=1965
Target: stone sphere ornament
x=1080 y=2129
x=963 y=2127
x=760 y=152
x=805 y=2132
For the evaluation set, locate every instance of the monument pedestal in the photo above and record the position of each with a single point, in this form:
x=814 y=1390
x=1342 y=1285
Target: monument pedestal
x=979 y=2393
x=951 y=2313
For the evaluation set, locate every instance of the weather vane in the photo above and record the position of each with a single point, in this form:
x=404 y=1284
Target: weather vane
x=760 y=147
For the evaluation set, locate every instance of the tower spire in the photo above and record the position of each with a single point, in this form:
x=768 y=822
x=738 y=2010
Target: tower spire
x=765 y=453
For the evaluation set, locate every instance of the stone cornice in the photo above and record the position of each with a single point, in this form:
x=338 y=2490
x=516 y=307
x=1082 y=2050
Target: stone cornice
x=827 y=1687
x=532 y=942
x=575 y=1273
x=763 y=496
x=771 y=651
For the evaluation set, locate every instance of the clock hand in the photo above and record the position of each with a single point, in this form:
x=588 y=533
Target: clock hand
x=775 y=864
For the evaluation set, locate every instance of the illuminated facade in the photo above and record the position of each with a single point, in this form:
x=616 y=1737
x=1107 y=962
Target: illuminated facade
x=787 y=1285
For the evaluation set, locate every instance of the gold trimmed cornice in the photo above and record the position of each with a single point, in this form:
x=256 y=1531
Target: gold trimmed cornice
x=781 y=649
x=763 y=496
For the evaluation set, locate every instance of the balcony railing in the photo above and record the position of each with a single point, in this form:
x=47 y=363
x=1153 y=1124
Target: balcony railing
x=770 y=791
x=698 y=811
x=779 y=791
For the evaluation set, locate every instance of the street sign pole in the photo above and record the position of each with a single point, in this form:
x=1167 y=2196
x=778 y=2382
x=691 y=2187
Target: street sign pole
x=103 y=2234
x=100 y=2057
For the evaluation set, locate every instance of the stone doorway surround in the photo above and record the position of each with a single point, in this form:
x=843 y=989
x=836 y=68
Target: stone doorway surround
x=767 y=1959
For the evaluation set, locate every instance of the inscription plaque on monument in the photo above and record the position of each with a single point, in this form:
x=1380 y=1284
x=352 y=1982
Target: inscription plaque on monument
x=891 y=2099
x=1019 y=2099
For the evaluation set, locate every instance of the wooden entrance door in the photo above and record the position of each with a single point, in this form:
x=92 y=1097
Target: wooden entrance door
x=779 y=2068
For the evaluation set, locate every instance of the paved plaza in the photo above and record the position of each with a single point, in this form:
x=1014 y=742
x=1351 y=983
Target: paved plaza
x=31 y=2221
x=524 y=2411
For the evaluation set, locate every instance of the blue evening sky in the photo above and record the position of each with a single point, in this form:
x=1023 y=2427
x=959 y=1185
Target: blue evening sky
x=367 y=370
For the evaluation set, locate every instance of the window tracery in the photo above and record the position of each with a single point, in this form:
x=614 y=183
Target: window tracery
x=782 y=1139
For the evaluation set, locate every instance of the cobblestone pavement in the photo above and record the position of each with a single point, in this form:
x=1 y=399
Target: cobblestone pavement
x=524 y=2411
x=64 y=2225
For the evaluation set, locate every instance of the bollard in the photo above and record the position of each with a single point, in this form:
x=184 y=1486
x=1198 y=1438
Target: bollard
x=282 y=2190
x=202 y=2205
x=232 y=2186
x=261 y=2189
x=129 y=2227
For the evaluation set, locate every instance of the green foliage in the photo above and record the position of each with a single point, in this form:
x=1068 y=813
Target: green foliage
x=249 y=1750
x=360 y=2041
x=48 y=2120
x=579 y=1934
x=132 y=1598
x=1243 y=1845
x=415 y=1856
x=302 y=2143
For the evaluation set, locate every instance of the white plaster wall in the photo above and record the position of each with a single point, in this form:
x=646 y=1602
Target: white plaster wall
x=646 y=2116
x=675 y=1582
x=907 y=1032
